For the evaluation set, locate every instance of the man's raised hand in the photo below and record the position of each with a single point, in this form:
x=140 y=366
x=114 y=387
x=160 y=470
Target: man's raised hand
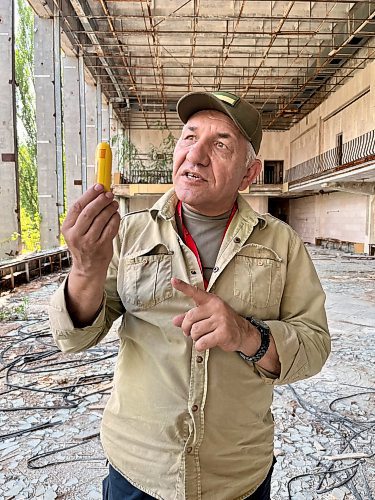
x=89 y=228
x=212 y=322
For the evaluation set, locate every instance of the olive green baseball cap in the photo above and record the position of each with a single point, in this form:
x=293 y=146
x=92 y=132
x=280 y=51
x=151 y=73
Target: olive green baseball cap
x=245 y=115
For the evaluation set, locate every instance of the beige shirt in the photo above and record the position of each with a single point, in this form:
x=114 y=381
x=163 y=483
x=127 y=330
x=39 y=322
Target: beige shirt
x=182 y=424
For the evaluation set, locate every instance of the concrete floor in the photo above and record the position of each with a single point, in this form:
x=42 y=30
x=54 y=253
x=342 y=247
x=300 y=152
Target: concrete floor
x=306 y=435
x=312 y=424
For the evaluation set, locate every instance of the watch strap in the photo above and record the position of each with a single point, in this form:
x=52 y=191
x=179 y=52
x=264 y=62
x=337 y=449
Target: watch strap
x=264 y=331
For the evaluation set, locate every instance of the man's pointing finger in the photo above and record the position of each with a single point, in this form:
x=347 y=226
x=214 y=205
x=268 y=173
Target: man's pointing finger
x=199 y=296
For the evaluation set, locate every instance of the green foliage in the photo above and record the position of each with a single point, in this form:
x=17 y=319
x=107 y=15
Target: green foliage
x=158 y=158
x=28 y=178
x=15 y=312
x=161 y=156
x=61 y=219
x=128 y=154
x=30 y=231
x=26 y=129
x=24 y=61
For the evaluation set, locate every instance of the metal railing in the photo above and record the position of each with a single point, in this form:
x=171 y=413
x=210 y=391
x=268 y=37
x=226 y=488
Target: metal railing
x=138 y=176
x=140 y=170
x=354 y=152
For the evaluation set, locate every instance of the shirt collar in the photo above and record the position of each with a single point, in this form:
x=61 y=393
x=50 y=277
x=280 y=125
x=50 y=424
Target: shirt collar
x=165 y=208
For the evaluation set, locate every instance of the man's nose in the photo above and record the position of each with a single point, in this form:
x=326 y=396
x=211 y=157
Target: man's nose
x=198 y=154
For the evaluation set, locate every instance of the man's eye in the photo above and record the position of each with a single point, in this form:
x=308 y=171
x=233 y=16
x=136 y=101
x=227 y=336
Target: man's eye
x=189 y=138
x=220 y=145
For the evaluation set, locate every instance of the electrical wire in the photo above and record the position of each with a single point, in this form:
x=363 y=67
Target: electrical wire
x=353 y=429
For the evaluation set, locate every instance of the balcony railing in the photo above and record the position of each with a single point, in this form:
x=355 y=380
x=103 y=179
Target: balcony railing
x=354 y=152
x=144 y=176
x=138 y=176
x=164 y=177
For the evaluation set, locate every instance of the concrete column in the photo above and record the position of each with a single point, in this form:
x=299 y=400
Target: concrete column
x=124 y=205
x=91 y=134
x=72 y=129
x=9 y=202
x=82 y=117
x=45 y=81
x=370 y=230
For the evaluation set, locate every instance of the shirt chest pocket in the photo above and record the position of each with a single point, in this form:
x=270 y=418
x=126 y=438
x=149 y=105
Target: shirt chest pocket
x=258 y=276
x=146 y=278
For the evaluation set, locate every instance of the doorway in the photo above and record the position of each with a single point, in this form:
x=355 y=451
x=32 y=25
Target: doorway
x=279 y=207
x=273 y=172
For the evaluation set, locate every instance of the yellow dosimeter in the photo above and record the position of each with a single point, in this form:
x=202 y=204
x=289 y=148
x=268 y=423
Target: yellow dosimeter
x=103 y=165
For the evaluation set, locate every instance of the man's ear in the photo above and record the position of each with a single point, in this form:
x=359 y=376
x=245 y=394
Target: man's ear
x=253 y=170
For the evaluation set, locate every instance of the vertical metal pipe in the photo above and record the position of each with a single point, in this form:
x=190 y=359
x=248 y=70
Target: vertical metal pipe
x=58 y=109
x=110 y=121
x=99 y=111
x=82 y=115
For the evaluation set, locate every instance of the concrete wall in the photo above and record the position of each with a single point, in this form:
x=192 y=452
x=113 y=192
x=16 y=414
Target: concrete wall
x=275 y=146
x=258 y=203
x=302 y=217
x=341 y=216
x=90 y=100
x=350 y=110
x=144 y=139
x=142 y=202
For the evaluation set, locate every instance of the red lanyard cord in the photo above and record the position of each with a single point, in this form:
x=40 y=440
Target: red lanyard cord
x=189 y=240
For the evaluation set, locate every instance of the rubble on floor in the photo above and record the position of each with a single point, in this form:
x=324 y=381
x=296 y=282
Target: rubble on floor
x=51 y=404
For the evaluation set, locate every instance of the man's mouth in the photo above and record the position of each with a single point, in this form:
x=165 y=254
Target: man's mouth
x=191 y=175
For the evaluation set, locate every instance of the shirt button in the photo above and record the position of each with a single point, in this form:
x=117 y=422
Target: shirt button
x=193 y=271
x=237 y=239
x=199 y=359
x=215 y=269
x=189 y=449
x=194 y=407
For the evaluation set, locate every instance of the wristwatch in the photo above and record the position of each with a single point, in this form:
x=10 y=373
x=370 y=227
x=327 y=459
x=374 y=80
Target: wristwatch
x=264 y=331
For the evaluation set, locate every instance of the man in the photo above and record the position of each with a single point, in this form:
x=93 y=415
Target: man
x=189 y=416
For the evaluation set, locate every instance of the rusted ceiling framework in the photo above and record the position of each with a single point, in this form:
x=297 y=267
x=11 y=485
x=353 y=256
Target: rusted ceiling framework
x=284 y=56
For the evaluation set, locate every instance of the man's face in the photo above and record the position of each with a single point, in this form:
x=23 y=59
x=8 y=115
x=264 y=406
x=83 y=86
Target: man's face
x=209 y=163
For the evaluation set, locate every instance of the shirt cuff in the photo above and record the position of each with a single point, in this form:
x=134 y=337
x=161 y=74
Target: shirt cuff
x=292 y=355
x=60 y=320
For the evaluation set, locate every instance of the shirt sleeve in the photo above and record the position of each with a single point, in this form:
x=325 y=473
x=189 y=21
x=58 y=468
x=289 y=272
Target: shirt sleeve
x=301 y=334
x=69 y=338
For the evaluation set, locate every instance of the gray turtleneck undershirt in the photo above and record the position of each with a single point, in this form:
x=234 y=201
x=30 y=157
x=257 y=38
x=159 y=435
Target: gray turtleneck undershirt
x=207 y=232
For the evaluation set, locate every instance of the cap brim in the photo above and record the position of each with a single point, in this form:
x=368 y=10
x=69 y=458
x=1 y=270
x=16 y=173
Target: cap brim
x=191 y=103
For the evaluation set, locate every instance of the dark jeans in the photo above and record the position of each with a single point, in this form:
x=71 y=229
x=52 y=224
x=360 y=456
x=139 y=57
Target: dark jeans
x=116 y=487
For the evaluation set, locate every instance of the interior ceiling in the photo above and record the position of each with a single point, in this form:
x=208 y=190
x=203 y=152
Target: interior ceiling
x=283 y=56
